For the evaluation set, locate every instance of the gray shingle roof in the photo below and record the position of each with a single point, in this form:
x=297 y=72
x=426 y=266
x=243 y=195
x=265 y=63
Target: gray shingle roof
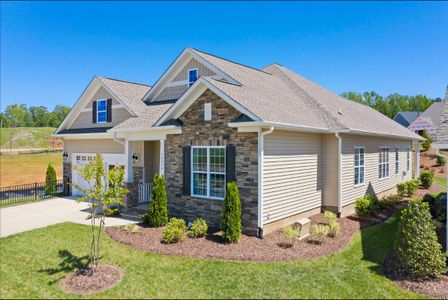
x=442 y=131
x=277 y=94
x=430 y=116
x=405 y=118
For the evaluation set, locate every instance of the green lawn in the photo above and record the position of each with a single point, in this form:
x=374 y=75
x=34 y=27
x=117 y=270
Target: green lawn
x=32 y=264
x=440 y=181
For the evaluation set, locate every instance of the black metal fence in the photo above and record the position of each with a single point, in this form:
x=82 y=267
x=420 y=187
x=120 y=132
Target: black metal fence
x=31 y=192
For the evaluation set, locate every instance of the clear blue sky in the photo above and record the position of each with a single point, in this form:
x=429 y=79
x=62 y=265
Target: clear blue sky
x=50 y=51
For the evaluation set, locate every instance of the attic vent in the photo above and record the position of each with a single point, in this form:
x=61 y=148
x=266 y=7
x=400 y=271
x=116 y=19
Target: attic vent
x=207 y=112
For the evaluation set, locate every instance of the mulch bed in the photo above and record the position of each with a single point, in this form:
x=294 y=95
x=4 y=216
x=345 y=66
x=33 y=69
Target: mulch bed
x=271 y=248
x=433 y=287
x=85 y=281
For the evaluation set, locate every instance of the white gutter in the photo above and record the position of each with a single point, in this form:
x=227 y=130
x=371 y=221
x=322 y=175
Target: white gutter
x=261 y=136
x=114 y=137
x=339 y=172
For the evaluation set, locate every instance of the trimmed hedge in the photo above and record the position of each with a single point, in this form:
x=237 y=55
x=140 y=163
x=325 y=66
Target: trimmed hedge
x=407 y=188
x=158 y=208
x=426 y=179
x=50 y=181
x=367 y=206
x=418 y=251
x=231 y=214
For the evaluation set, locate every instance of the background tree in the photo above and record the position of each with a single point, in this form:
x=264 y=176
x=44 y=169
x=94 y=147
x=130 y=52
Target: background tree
x=105 y=189
x=428 y=140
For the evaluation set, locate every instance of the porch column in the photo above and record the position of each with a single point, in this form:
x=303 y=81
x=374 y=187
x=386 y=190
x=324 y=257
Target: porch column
x=417 y=160
x=129 y=162
x=162 y=157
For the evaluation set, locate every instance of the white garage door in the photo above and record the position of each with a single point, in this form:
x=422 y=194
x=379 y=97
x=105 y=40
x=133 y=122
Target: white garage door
x=81 y=159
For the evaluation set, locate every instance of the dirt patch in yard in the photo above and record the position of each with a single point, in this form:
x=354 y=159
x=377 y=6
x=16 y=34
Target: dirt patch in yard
x=84 y=281
x=271 y=248
x=433 y=287
x=428 y=161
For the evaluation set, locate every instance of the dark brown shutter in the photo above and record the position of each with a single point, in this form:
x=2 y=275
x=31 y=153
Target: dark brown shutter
x=109 y=110
x=187 y=170
x=94 y=112
x=230 y=163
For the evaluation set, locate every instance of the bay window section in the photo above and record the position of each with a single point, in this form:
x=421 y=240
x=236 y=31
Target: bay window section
x=208 y=172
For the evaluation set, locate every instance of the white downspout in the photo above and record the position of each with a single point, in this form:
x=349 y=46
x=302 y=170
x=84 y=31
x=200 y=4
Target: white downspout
x=261 y=135
x=339 y=173
x=114 y=137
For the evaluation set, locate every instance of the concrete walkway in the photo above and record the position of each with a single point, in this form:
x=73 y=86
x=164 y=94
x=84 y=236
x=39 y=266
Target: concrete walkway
x=30 y=216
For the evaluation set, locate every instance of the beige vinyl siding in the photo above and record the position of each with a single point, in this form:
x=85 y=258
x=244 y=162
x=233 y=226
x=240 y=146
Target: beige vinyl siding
x=292 y=177
x=84 y=119
x=93 y=146
x=330 y=174
x=172 y=92
x=372 y=182
x=193 y=64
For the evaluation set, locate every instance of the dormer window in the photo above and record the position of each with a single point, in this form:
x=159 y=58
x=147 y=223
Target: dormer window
x=192 y=76
x=101 y=111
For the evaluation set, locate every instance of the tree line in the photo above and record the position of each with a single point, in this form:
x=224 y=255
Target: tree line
x=20 y=115
x=393 y=103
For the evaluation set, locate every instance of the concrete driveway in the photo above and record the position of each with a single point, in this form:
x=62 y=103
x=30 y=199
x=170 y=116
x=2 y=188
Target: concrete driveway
x=30 y=216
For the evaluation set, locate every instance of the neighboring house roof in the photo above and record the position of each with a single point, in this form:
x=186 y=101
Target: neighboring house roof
x=429 y=119
x=278 y=95
x=405 y=118
x=442 y=131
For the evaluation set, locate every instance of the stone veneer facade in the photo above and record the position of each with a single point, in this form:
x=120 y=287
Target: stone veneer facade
x=197 y=132
x=132 y=196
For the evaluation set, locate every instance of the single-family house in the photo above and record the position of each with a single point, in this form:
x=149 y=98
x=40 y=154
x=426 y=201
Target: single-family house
x=405 y=118
x=293 y=147
x=428 y=120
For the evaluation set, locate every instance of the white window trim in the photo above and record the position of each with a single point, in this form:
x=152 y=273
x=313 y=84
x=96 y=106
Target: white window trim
x=363 y=165
x=408 y=159
x=207 y=172
x=388 y=162
x=188 y=76
x=98 y=111
x=397 y=161
x=207 y=111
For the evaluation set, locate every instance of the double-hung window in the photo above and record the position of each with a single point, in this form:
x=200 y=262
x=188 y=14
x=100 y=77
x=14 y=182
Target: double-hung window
x=397 y=160
x=408 y=159
x=101 y=111
x=208 y=169
x=192 y=76
x=359 y=165
x=383 y=166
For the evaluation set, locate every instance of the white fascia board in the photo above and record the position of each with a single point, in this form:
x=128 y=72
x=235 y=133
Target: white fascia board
x=255 y=125
x=439 y=145
x=379 y=134
x=179 y=63
x=199 y=87
x=84 y=136
x=170 y=129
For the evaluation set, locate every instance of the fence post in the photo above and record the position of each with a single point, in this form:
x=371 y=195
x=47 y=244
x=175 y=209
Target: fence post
x=35 y=191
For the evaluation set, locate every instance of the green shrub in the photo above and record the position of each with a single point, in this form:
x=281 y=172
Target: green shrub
x=135 y=229
x=407 y=188
x=418 y=250
x=158 y=208
x=426 y=178
x=198 y=228
x=231 y=214
x=333 y=228
x=174 y=231
x=112 y=211
x=330 y=216
x=290 y=233
x=428 y=140
x=441 y=161
x=366 y=206
x=319 y=232
x=50 y=181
